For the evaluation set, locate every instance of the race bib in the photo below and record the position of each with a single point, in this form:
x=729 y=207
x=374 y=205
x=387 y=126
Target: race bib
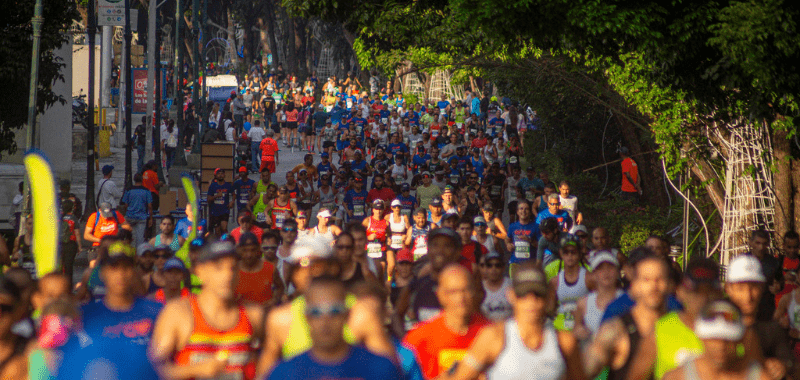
x=522 y=249
x=219 y=201
x=454 y=178
x=279 y=219
x=496 y=190
x=374 y=250
x=261 y=217
x=358 y=210
x=234 y=359
x=473 y=131
x=384 y=120
x=397 y=241
x=421 y=247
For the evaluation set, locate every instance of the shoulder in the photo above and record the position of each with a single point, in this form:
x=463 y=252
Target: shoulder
x=279 y=317
x=149 y=306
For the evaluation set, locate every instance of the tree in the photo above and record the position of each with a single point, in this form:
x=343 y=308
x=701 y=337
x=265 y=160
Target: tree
x=15 y=62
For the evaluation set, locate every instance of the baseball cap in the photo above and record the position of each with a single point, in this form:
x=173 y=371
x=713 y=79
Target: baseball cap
x=396 y=203
x=324 y=154
x=248 y=238
x=720 y=319
x=144 y=248
x=217 y=250
x=405 y=255
x=107 y=169
x=530 y=169
x=513 y=160
x=105 y=210
x=405 y=187
x=448 y=232
x=450 y=215
x=745 y=268
x=119 y=252
x=448 y=189
x=218 y=170
x=426 y=174
x=579 y=228
x=529 y=279
x=242 y=169
x=479 y=220
x=437 y=202
x=488 y=207
x=701 y=271
x=603 y=256
x=378 y=203
x=307 y=248
x=324 y=213
x=493 y=255
x=174 y=263
x=568 y=239
x=302 y=214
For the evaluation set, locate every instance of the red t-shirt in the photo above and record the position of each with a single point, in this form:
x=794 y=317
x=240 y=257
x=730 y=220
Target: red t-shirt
x=479 y=143
x=150 y=180
x=437 y=347
x=255 y=230
x=386 y=194
x=629 y=166
x=468 y=252
x=268 y=149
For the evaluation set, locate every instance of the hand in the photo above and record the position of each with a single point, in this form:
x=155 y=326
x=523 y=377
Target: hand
x=211 y=367
x=774 y=368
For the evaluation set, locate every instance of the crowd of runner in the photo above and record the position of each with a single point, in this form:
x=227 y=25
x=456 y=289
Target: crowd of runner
x=413 y=248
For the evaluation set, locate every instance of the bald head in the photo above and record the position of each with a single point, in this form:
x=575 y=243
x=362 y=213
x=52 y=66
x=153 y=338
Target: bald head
x=600 y=238
x=455 y=291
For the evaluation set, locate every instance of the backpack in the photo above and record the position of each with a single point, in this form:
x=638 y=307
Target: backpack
x=98 y=216
x=64 y=230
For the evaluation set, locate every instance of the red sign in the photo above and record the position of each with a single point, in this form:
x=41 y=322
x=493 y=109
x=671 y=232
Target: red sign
x=139 y=104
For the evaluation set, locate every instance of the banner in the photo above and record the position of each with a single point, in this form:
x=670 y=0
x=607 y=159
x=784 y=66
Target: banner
x=140 y=88
x=46 y=219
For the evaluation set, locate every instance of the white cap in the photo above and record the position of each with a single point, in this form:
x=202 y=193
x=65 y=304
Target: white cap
x=396 y=202
x=603 y=256
x=578 y=227
x=324 y=213
x=307 y=248
x=745 y=268
x=720 y=320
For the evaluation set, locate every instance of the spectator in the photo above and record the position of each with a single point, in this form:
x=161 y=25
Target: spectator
x=107 y=190
x=138 y=203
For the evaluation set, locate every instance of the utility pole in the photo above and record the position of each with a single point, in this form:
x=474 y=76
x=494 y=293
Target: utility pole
x=151 y=78
x=128 y=94
x=37 y=22
x=157 y=90
x=90 y=143
x=204 y=105
x=177 y=74
x=195 y=86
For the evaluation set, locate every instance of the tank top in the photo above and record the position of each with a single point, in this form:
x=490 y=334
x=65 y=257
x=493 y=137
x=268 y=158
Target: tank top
x=676 y=344
x=568 y=296
x=294 y=191
x=690 y=371
x=495 y=305
x=518 y=362
x=256 y=287
x=327 y=200
x=794 y=311
x=298 y=340
x=174 y=245
x=594 y=315
x=488 y=243
x=398 y=232
x=308 y=190
x=397 y=173
x=635 y=338
x=259 y=208
x=206 y=341
x=419 y=241
x=511 y=189
x=378 y=227
x=327 y=235
x=160 y=297
x=280 y=213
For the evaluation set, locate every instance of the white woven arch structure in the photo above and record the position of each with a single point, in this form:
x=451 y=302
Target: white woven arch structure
x=749 y=197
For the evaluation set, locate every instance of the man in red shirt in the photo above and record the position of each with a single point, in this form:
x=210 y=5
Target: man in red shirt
x=470 y=249
x=245 y=220
x=631 y=188
x=442 y=341
x=269 y=152
x=380 y=192
x=480 y=141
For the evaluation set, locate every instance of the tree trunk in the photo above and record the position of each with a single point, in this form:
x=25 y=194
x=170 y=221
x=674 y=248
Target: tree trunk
x=713 y=187
x=795 y=164
x=782 y=182
x=299 y=33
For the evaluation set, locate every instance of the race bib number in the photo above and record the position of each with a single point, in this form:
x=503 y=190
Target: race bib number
x=219 y=201
x=384 y=120
x=473 y=131
x=374 y=250
x=421 y=247
x=279 y=219
x=454 y=178
x=261 y=217
x=496 y=190
x=393 y=128
x=434 y=133
x=397 y=241
x=522 y=249
x=358 y=210
x=200 y=357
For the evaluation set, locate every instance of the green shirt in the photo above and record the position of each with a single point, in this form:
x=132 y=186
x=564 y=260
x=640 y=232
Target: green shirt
x=676 y=344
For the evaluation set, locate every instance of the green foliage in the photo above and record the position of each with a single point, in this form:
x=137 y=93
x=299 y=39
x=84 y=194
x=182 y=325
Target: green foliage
x=15 y=62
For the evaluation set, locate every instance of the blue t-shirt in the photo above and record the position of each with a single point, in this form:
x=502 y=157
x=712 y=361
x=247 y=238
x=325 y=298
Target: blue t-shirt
x=242 y=189
x=358 y=166
x=395 y=149
x=359 y=364
x=137 y=199
x=117 y=345
x=562 y=216
x=476 y=106
x=336 y=114
x=442 y=104
x=496 y=125
x=323 y=169
x=360 y=122
x=407 y=204
x=408 y=361
x=624 y=303
x=531 y=230
x=220 y=205
x=184 y=227
x=356 y=201
x=413 y=118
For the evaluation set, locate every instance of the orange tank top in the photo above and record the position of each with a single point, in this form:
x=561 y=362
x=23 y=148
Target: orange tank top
x=256 y=287
x=280 y=213
x=206 y=342
x=160 y=297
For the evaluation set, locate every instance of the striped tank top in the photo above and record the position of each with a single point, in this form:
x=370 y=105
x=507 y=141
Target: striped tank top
x=280 y=213
x=206 y=342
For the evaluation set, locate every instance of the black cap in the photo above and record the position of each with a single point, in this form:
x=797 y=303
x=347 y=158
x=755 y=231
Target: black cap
x=120 y=252
x=702 y=271
x=445 y=232
x=217 y=250
x=248 y=238
x=436 y=202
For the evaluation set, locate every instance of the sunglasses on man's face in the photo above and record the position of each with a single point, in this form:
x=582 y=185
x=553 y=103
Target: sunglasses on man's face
x=492 y=265
x=269 y=248
x=334 y=310
x=288 y=229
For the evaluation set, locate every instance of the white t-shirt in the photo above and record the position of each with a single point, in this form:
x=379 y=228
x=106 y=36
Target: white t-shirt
x=570 y=204
x=256 y=134
x=229 y=131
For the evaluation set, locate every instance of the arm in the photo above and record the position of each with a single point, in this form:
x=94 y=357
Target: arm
x=277 y=295
x=276 y=328
x=368 y=328
x=644 y=360
x=481 y=355
x=601 y=352
x=87 y=235
x=580 y=330
x=571 y=352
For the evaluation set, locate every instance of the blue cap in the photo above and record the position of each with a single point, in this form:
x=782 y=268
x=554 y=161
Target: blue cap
x=324 y=154
x=107 y=169
x=174 y=263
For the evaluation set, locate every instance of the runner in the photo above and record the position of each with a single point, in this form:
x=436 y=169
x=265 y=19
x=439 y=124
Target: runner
x=398 y=226
x=355 y=200
x=522 y=235
x=220 y=203
x=257 y=277
x=417 y=236
x=589 y=310
x=281 y=209
x=354 y=269
x=324 y=228
x=377 y=227
x=495 y=305
x=571 y=283
x=208 y=335
x=525 y=346
x=167 y=236
x=245 y=220
x=174 y=274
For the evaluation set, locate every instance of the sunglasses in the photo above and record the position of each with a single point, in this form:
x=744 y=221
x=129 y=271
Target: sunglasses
x=334 y=310
x=344 y=246
x=269 y=248
x=6 y=308
x=288 y=229
x=163 y=256
x=555 y=204
x=495 y=265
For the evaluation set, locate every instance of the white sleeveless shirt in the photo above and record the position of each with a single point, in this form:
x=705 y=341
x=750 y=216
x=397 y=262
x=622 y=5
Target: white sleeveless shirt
x=495 y=305
x=518 y=362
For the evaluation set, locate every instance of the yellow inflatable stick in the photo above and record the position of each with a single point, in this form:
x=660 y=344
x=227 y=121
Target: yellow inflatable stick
x=46 y=214
x=191 y=196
